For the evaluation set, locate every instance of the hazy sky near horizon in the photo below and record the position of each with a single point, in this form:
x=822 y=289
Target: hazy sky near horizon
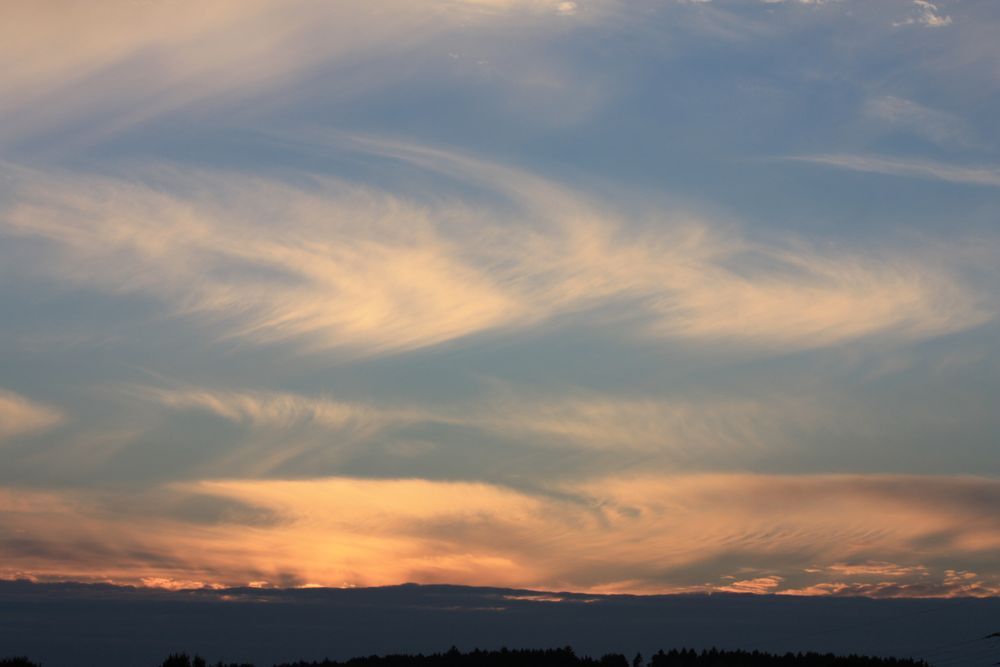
x=644 y=296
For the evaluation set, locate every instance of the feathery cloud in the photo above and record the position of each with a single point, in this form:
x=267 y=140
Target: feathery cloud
x=21 y=416
x=938 y=126
x=122 y=63
x=679 y=433
x=979 y=175
x=339 y=266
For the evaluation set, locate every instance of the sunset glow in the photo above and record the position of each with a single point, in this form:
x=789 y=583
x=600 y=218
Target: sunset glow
x=595 y=296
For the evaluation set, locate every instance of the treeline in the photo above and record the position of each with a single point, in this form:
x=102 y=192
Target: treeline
x=561 y=657
x=565 y=657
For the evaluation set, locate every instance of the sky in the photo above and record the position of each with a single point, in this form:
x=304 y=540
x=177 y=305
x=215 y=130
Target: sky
x=608 y=296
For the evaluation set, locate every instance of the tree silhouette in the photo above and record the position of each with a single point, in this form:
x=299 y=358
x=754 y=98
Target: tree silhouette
x=18 y=661
x=183 y=660
x=560 y=657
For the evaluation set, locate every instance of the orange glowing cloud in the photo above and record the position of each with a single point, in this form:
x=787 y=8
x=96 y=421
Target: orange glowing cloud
x=736 y=533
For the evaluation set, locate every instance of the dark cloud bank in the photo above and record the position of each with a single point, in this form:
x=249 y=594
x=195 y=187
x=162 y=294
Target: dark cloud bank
x=63 y=625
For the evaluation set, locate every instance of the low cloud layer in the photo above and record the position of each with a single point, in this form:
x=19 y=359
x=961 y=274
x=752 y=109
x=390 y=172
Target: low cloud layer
x=632 y=534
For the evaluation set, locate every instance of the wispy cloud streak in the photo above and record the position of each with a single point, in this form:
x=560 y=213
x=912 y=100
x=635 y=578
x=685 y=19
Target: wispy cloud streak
x=338 y=266
x=680 y=432
x=122 y=63
x=984 y=175
x=938 y=126
x=21 y=416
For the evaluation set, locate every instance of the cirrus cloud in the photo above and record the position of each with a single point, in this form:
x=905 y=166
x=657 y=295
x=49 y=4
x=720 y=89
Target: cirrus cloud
x=21 y=416
x=335 y=265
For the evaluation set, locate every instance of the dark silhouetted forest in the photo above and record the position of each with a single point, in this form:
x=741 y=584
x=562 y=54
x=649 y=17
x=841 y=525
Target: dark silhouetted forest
x=560 y=657
x=565 y=657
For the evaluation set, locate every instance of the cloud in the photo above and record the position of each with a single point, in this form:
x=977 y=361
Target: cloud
x=122 y=63
x=282 y=431
x=876 y=568
x=938 y=126
x=926 y=15
x=927 y=169
x=288 y=434
x=543 y=6
x=968 y=584
x=805 y=299
x=338 y=266
x=632 y=534
x=563 y=431
x=757 y=585
x=684 y=430
x=21 y=416
x=273 y=410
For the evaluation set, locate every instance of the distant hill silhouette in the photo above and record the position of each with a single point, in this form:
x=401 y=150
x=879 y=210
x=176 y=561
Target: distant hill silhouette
x=99 y=625
x=560 y=657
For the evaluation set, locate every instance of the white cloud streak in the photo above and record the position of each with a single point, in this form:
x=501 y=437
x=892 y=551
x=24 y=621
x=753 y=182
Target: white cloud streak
x=269 y=410
x=891 y=166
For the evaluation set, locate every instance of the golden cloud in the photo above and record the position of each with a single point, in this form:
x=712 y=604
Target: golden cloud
x=647 y=534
